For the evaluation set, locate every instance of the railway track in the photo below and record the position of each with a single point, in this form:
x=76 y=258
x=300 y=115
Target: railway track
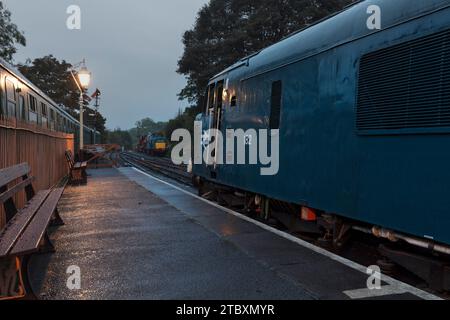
x=163 y=166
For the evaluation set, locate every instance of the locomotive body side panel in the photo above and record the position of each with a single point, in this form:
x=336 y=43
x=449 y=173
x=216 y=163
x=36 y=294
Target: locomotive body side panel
x=395 y=180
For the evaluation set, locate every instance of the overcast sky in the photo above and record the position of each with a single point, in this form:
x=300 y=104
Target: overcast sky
x=131 y=47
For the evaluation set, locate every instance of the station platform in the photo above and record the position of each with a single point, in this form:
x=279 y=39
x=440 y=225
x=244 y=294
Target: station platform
x=136 y=236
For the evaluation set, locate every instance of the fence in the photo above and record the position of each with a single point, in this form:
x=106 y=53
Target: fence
x=41 y=148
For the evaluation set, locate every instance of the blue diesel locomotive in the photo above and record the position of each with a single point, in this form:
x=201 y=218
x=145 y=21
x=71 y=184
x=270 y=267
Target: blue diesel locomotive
x=153 y=145
x=364 y=125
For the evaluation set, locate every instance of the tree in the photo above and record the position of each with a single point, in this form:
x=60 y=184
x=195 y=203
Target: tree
x=54 y=78
x=182 y=120
x=120 y=137
x=146 y=126
x=9 y=35
x=228 y=30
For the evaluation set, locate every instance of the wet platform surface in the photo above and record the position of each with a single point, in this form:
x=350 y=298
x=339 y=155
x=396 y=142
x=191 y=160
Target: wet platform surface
x=135 y=237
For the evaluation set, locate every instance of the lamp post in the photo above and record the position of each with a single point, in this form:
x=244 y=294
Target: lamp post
x=84 y=78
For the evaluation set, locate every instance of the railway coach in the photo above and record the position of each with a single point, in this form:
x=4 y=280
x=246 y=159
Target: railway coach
x=364 y=128
x=22 y=100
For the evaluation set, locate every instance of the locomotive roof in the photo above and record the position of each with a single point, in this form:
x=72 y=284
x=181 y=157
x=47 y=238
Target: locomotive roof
x=13 y=70
x=338 y=29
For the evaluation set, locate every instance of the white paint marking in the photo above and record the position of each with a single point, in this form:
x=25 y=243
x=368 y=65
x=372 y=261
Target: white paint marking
x=400 y=286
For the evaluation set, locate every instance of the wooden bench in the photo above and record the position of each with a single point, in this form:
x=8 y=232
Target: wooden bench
x=26 y=230
x=77 y=170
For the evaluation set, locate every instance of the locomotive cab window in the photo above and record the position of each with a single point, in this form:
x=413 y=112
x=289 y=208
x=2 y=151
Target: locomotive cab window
x=233 y=101
x=210 y=104
x=219 y=94
x=275 y=105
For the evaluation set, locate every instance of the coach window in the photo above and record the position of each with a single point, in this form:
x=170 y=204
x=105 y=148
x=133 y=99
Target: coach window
x=275 y=105
x=44 y=113
x=44 y=110
x=22 y=108
x=10 y=98
x=57 y=122
x=52 y=119
x=32 y=111
x=2 y=112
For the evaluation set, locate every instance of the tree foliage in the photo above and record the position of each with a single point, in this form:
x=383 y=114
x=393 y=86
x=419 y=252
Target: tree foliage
x=228 y=30
x=146 y=126
x=53 y=77
x=182 y=120
x=9 y=35
x=120 y=137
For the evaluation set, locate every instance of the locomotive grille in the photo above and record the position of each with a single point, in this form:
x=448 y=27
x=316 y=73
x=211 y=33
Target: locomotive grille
x=406 y=86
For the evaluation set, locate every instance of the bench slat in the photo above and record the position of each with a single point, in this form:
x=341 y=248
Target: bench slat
x=12 y=173
x=11 y=192
x=69 y=158
x=17 y=225
x=80 y=165
x=30 y=238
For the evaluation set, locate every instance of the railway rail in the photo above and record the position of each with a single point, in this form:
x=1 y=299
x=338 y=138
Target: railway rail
x=163 y=166
x=362 y=250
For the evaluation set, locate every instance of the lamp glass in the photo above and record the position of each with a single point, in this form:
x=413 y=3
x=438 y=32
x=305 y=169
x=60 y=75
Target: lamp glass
x=85 y=77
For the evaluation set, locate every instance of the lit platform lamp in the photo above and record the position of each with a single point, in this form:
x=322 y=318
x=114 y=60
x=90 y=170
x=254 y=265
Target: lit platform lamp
x=84 y=78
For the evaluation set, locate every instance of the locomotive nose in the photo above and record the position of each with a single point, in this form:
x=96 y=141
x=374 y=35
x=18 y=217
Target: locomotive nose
x=160 y=146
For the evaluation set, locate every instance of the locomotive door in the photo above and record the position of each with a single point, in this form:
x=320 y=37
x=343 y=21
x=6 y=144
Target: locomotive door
x=210 y=114
x=218 y=117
